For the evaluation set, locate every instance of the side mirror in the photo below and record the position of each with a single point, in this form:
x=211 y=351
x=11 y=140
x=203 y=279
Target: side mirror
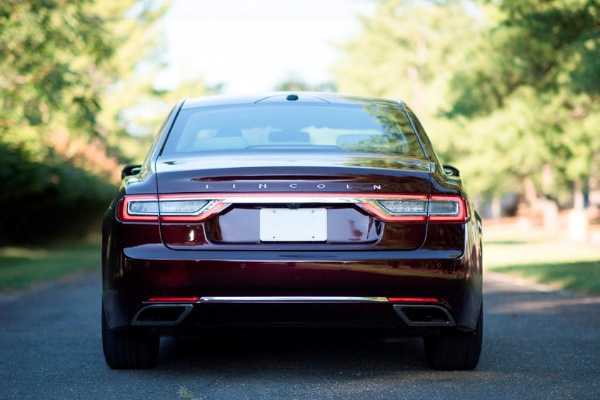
x=451 y=171
x=132 y=169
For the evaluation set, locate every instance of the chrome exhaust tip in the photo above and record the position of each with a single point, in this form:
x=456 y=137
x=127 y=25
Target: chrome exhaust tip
x=161 y=314
x=424 y=315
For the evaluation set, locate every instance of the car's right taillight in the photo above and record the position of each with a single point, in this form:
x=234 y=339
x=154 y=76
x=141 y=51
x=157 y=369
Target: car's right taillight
x=436 y=208
x=400 y=208
x=447 y=209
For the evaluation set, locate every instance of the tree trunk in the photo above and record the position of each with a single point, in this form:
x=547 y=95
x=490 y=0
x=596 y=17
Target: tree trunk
x=496 y=207
x=578 y=224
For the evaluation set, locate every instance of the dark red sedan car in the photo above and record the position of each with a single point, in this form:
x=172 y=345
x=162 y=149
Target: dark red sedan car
x=291 y=210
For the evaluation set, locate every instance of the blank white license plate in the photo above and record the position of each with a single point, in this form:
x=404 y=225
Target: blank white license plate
x=293 y=225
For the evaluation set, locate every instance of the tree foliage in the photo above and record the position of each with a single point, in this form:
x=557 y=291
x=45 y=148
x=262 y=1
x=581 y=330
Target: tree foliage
x=297 y=83
x=507 y=89
x=409 y=50
x=538 y=68
x=69 y=70
x=48 y=50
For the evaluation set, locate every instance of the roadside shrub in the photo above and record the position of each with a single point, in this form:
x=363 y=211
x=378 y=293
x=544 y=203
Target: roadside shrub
x=44 y=197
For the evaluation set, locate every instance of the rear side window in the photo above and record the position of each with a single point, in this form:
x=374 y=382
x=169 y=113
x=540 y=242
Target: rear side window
x=423 y=136
x=373 y=128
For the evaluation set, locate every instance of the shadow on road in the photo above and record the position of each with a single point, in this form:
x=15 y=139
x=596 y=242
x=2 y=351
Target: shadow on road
x=536 y=345
x=343 y=354
x=521 y=328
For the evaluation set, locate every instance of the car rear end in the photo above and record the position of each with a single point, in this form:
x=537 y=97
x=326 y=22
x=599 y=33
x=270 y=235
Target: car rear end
x=299 y=230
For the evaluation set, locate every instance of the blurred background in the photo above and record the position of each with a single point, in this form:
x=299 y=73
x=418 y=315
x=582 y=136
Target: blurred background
x=508 y=91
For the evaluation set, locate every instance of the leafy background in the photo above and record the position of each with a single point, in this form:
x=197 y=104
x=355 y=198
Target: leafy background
x=508 y=90
x=71 y=71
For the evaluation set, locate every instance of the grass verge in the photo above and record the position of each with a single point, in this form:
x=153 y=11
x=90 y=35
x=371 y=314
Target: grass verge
x=545 y=259
x=581 y=276
x=22 y=267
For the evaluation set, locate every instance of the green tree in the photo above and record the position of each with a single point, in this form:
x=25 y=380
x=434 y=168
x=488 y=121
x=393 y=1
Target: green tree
x=48 y=50
x=69 y=69
x=507 y=90
x=297 y=83
x=408 y=50
x=538 y=70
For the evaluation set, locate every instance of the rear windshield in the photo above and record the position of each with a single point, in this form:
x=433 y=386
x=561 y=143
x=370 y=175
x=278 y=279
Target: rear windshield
x=373 y=128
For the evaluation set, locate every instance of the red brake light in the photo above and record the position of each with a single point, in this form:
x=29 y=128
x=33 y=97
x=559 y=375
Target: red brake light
x=407 y=208
x=444 y=208
x=171 y=299
x=398 y=208
x=413 y=300
x=124 y=206
x=169 y=207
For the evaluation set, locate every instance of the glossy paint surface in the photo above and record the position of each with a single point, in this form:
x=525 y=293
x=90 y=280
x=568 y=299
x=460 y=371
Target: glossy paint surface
x=364 y=256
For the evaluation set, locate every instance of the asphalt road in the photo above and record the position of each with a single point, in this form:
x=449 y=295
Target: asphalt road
x=538 y=345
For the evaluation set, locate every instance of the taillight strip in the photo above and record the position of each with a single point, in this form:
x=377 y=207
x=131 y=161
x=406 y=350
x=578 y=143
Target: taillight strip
x=413 y=300
x=462 y=215
x=368 y=202
x=173 y=299
x=214 y=207
x=123 y=208
x=379 y=212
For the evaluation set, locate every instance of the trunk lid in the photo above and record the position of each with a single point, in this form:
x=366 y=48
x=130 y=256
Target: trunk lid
x=256 y=177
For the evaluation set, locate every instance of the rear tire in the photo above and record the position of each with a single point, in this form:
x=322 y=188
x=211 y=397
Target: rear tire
x=129 y=349
x=455 y=350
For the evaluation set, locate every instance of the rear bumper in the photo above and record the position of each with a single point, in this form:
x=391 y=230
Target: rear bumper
x=293 y=310
x=154 y=270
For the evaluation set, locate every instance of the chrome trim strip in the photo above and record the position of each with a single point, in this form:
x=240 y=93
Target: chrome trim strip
x=282 y=197
x=289 y=199
x=292 y=299
x=187 y=309
x=398 y=309
x=268 y=199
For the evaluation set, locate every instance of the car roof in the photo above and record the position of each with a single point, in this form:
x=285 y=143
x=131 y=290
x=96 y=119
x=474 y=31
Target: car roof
x=285 y=97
